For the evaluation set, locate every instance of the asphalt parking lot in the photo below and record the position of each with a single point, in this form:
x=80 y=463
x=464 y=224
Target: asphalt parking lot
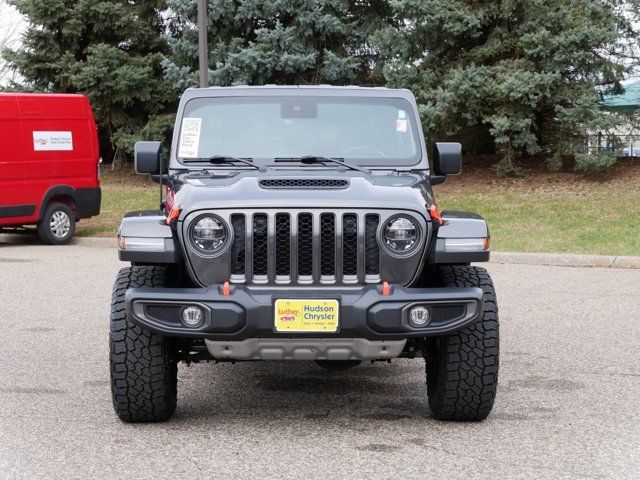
x=568 y=402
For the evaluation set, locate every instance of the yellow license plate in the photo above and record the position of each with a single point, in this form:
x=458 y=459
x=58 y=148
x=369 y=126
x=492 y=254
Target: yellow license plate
x=306 y=315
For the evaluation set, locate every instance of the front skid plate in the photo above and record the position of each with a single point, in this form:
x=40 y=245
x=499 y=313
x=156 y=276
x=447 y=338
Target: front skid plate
x=306 y=349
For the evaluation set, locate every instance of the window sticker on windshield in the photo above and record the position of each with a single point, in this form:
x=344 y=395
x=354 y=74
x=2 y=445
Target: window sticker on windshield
x=189 y=137
x=401 y=125
x=402 y=114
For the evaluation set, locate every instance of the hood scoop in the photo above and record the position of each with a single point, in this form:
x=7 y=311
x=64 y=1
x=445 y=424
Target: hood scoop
x=308 y=183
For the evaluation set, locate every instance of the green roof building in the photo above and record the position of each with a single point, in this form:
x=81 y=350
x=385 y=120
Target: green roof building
x=627 y=102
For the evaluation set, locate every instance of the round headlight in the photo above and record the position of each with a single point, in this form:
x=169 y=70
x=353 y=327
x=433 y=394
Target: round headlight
x=209 y=234
x=400 y=234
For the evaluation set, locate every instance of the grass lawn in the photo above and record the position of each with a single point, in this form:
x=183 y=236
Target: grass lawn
x=546 y=212
x=121 y=193
x=600 y=222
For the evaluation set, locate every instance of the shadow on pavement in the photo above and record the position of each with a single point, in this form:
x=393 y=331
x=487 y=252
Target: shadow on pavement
x=271 y=391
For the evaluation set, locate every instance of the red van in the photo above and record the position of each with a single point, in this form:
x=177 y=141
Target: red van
x=49 y=162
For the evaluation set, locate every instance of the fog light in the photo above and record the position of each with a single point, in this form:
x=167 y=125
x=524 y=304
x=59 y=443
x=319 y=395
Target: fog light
x=419 y=316
x=192 y=316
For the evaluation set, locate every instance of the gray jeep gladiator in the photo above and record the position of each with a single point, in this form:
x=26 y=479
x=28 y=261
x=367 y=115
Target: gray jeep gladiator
x=299 y=223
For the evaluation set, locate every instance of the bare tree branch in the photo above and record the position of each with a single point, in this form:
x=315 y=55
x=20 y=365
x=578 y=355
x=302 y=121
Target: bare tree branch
x=11 y=27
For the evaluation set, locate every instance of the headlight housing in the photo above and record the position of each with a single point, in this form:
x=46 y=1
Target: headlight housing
x=208 y=234
x=401 y=235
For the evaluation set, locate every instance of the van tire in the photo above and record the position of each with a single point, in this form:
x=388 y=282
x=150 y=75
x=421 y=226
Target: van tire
x=144 y=368
x=58 y=225
x=462 y=368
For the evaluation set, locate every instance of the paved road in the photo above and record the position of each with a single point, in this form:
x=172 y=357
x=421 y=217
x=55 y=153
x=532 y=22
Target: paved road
x=568 y=403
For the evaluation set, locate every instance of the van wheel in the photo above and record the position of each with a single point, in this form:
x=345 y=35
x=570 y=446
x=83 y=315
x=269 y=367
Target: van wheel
x=58 y=225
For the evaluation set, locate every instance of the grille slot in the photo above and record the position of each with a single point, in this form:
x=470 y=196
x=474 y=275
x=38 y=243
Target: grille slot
x=260 y=261
x=283 y=244
x=238 y=247
x=305 y=245
x=314 y=183
x=350 y=245
x=164 y=313
x=372 y=250
x=446 y=313
x=327 y=245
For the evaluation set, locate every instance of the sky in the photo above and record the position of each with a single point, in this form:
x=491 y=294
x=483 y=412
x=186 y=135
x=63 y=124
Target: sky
x=11 y=27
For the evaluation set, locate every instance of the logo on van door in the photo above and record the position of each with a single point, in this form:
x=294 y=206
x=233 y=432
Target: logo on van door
x=51 y=141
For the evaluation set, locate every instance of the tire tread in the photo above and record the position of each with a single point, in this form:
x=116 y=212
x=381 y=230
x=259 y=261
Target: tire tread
x=465 y=365
x=143 y=372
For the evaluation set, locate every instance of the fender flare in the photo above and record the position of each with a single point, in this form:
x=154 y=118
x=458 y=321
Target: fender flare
x=461 y=239
x=144 y=237
x=65 y=190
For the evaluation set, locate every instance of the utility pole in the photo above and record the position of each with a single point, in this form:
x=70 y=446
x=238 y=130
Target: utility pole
x=202 y=43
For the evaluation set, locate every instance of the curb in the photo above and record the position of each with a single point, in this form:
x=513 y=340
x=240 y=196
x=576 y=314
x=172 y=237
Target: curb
x=565 y=259
x=513 y=258
x=518 y=258
x=95 y=241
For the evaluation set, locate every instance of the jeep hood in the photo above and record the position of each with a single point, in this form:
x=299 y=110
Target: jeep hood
x=277 y=189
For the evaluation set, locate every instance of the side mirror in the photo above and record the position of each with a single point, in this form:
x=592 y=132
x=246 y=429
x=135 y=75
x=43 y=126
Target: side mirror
x=447 y=158
x=148 y=157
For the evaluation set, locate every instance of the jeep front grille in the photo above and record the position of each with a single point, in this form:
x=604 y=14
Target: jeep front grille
x=305 y=248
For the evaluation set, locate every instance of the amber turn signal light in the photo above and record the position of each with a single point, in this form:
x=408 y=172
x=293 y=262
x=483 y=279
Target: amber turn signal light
x=174 y=213
x=434 y=213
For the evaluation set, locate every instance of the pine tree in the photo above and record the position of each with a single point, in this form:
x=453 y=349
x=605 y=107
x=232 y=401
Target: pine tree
x=109 y=50
x=528 y=70
x=280 y=42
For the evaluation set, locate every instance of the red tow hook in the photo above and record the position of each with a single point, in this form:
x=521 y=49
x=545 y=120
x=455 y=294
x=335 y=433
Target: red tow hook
x=386 y=289
x=226 y=289
x=434 y=213
x=173 y=214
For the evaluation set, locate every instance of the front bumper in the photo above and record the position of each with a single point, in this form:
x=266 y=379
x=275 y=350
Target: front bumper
x=248 y=312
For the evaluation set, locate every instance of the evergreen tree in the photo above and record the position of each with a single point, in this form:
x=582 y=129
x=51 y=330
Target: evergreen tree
x=280 y=42
x=111 y=51
x=528 y=70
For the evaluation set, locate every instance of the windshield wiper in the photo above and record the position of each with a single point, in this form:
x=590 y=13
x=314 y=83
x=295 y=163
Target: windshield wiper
x=220 y=159
x=309 y=159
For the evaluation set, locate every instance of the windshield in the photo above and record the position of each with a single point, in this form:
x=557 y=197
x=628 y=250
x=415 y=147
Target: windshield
x=361 y=130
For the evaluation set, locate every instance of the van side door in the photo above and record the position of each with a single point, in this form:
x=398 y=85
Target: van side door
x=14 y=207
x=61 y=155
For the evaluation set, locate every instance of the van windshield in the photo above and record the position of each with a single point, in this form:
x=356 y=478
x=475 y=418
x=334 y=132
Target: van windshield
x=360 y=130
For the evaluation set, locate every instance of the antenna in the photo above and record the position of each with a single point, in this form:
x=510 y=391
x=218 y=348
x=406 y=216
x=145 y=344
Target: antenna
x=202 y=44
x=161 y=170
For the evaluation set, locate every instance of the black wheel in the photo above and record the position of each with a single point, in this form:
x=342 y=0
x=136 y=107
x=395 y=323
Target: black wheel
x=144 y=370
x=337 y=365
x=462 y=369
x=58 y=225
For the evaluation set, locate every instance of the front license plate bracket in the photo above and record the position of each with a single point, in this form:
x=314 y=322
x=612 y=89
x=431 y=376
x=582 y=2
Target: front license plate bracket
x=306 y=315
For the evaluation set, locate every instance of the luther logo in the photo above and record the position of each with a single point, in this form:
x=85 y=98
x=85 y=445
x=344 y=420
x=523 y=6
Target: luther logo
x=287 y=318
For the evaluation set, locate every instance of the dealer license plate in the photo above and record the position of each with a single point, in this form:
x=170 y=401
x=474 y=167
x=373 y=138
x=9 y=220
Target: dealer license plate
x=306 y=315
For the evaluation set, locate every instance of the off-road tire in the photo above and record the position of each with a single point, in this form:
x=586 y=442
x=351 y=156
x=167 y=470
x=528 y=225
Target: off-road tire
x=144 y=369
x=338 y=365
x=462 y=369
x=45 y=231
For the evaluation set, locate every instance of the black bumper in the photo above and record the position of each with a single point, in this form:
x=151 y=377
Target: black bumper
x=248 y=312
